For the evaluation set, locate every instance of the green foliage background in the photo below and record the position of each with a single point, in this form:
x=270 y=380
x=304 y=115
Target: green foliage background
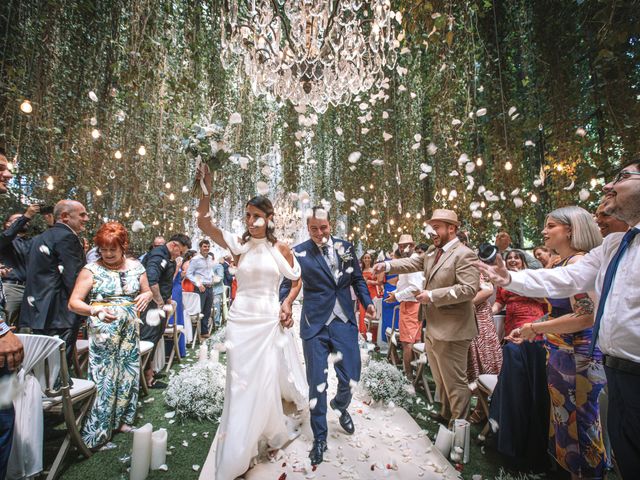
x=563 y=64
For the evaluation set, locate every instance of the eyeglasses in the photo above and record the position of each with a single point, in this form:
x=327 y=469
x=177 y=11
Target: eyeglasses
x=624 y=175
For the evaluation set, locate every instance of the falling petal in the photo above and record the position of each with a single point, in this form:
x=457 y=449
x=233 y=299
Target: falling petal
x=481 y=112
x=455 y=122
x=386 y=136
x=581 y=132
x=44 y=249
x=339 y=196
x=584 y=195
x=432 y=149
x=517 y=201
x=529 y=143
x=235 y=119
x=377 y=162
x=417 y=137
x=570 y=186
x=93 y=96
x=262 y=188
x=339 y=131
x=354 y=157
x=512 y=110
x=321 y=387
x=137 y=226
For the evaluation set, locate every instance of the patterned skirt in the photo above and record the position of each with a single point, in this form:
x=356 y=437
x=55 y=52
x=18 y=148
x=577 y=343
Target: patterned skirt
x=575 y=381
x=485 y=353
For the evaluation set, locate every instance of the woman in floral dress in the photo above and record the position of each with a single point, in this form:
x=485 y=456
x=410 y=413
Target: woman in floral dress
x=118 y=290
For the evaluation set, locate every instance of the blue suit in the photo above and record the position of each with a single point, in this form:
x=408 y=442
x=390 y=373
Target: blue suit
x=321 y=291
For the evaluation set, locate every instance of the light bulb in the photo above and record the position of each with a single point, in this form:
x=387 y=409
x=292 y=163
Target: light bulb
x=26 y=106
x=172 y=196
x=49 y=179
x=444 y=192
x=142 y=151
x=167 y=185
x=99 y=192
x=479 y=162
x=508 y=166
x=594 y=182
x=50 y=186
x=392 y=221
x=118 y=154
x=95 y=133
x=559 y=167
x=408 y=215
x=534 y=198
x=127 y=214
x=373 y=212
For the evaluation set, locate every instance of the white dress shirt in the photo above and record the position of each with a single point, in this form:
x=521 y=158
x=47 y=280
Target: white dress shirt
x=408 y=283
x=620 y=324
x=332 y=263
x=200 y=271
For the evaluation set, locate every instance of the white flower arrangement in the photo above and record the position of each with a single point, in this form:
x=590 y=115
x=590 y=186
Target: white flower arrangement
x=385 y=383
x=197 y=391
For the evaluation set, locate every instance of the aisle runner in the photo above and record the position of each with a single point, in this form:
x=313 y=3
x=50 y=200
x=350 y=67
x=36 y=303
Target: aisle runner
x=387 y=443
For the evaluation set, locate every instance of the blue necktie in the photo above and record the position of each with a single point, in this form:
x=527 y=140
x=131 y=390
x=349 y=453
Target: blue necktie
x=608 y=280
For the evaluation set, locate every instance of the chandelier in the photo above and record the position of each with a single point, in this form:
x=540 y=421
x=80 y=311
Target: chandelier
x=311 y=52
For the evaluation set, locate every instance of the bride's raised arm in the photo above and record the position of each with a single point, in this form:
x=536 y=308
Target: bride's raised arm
x=204 y=219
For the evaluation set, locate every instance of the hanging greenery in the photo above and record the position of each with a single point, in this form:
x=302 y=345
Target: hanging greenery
x=499 y=110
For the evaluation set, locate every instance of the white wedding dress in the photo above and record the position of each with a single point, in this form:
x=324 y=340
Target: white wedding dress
x=263 y=365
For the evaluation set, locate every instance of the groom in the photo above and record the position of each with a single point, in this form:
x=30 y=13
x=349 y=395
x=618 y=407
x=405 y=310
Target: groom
x=328 y=323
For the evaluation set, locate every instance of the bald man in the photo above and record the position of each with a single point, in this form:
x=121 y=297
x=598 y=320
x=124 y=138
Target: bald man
x=54 y=262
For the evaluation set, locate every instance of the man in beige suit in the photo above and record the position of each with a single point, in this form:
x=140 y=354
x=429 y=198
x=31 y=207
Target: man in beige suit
x=451 y=282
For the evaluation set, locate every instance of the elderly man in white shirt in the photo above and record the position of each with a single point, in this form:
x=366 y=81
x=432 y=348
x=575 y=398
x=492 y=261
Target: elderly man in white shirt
x=611 y=270
x=409 y=284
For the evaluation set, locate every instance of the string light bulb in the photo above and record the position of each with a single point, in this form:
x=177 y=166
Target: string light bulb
x=142 y=151
x=508 y=166
x=49 y=179
x=172 y=197
x=593 y=182
x=443 y=192
x=50 y=186
x=118 y=154
x=167 y=185
x=479 y=162
x=26 y=106
x=98 y=192
x=534 y=198
x=95 y=133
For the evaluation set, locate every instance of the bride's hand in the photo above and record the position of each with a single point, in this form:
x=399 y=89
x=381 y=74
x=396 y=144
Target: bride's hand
x=204 y=173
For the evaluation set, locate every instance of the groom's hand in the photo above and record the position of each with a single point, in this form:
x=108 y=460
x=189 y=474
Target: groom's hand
x=286 y=317
x=371 y=312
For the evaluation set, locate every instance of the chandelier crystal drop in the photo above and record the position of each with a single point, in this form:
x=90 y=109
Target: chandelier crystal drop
x=311 y=52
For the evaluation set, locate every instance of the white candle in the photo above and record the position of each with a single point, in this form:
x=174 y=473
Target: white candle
x=203 y=353
x=462 y=437
x=141 y=454
x=214 y=356
x=444 y=440
x=158 y=448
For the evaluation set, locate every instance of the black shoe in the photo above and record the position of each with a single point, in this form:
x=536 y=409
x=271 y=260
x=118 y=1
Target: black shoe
x=345 y=419
x=317 y=451
x=439 y=418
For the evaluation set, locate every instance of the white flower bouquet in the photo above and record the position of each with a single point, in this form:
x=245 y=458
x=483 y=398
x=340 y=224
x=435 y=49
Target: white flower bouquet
x=385 y=383
x=216 y=341
x=197 y=391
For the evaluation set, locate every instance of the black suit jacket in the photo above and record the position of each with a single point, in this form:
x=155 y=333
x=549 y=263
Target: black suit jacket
x=14 y=250
x=55 y=260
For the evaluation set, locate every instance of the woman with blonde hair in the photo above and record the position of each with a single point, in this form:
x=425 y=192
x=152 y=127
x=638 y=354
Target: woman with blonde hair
x=575 y=377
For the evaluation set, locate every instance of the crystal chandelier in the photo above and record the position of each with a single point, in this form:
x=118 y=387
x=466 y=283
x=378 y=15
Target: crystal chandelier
x=311 y=52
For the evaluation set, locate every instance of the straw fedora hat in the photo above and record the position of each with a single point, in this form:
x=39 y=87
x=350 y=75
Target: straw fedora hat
x=444 y=215
x=405 y=238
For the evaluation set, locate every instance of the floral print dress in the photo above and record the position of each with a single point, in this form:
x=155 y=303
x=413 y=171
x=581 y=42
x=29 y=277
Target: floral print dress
x=114 y=352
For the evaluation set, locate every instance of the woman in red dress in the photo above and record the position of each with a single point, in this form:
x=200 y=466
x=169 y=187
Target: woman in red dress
x=374 y=284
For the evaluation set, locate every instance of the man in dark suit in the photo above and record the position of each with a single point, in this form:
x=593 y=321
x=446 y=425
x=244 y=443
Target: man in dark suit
x=328 y=323
x=14 y=253
x=160 y=266
x=55 y=260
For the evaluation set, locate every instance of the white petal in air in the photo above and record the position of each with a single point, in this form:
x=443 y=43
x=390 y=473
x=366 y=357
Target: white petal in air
x=44 y=249
x=512 y=110
x=262 y=188
x=584 y=195
x=137 y=226
x=377 y=162
x=581 y=132
x=570 y=186
x=432 y=149
x=481 y=112
x=93 y=96
x=386 y=136
x=354 y=157
x=339 y=131
x=339 y=196
x=235 y=119
x=321 y=387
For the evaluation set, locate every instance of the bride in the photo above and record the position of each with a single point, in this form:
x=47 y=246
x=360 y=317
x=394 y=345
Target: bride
x=263 y=366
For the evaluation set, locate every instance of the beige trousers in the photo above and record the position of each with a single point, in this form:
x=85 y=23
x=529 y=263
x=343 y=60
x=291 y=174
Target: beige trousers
x=448 y=361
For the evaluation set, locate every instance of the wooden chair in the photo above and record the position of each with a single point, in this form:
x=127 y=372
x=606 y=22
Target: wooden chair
x=422 y=368
x=81 y=357
x=173 y=331
x=393 y=338
x=62 y=396
x=145 y=353
x=191 y=303
x=486 y=384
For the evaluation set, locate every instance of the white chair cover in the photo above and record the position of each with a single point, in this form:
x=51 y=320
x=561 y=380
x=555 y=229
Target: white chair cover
x=191 y=303
x=26 y=451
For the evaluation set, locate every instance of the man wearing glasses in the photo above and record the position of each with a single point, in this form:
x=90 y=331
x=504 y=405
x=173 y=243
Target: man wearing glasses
x=611 y=270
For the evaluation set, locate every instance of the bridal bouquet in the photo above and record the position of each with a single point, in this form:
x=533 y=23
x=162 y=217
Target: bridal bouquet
x=197 y=391
x=384 y=383
x=207 y=144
